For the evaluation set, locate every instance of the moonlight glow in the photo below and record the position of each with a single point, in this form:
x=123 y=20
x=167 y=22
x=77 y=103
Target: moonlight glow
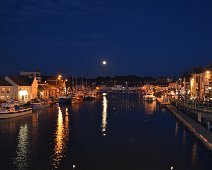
x=104 y=62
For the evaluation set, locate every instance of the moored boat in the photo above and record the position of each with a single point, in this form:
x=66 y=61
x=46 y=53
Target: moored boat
x=9 y=110
x=64 y=100
x=89 y=98
x=39 y=105
x=149 y=97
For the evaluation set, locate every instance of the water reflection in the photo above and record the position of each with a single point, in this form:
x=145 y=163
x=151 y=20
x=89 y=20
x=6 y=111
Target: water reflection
x=176 y=128
x=21 y=161
x=150 y=107
x=194 y=154
x=61 y=138
x=104 y=114
x=184 y=138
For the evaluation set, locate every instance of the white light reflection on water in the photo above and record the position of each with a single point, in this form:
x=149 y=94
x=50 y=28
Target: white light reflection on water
x=22 y=161
x=61 y=138
x=104 y=114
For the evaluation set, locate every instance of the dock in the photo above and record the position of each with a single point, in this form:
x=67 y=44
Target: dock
x=204 y=135
x=197 y=129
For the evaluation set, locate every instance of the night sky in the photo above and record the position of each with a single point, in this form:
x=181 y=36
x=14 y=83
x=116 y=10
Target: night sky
x=142 y=37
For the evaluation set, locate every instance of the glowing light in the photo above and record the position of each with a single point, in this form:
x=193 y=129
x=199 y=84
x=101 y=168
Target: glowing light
x=23 y=92
x=192 y=82
x=59 y=77
x=104 y=62
x=61 y=139
x=104 y=115
x=21 y=161
x=150 y=108
x=207 y=72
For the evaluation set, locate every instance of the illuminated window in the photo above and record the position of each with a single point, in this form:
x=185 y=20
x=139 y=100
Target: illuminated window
x=2 y=90
x=8 y=90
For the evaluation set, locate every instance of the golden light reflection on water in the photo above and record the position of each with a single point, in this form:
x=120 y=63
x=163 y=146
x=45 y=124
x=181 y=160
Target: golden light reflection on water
x=104 y=114
x=150 y=107
x=21 y=161
x=61 y=138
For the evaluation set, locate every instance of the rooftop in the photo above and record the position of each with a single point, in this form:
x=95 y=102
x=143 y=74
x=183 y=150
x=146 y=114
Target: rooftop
x=4 y=82
x=22 y=80
x=45 y=87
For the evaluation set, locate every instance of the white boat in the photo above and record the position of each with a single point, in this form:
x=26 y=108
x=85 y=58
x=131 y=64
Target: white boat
x=8 y=110
x=40 y=103
x=149 y=97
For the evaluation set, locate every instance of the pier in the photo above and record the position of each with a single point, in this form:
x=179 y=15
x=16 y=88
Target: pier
x=196 y=128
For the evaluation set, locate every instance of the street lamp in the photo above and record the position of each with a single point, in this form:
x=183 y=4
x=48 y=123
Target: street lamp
x=59 y=77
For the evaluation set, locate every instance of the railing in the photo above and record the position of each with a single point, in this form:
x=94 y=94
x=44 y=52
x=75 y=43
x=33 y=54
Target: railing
x=199 y=111
x=195 y=105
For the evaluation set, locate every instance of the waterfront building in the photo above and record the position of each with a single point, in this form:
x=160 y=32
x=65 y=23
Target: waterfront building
x=24 y=88
x=201 y=84
x=5 y=90
x=46 y=91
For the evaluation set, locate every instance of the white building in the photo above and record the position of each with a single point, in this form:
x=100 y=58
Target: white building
x=5 y=90
x=23 y=88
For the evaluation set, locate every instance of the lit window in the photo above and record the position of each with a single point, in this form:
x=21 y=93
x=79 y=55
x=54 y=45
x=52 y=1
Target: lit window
x=8 y=90
x=2 y=90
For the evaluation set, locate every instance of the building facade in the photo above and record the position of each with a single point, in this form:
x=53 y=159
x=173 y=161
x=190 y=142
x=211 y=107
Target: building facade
x=201 y=84
x=24 y=88
x=6 y=90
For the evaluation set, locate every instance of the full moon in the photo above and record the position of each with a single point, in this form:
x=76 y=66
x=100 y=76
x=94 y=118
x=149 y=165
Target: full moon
x=104 y=62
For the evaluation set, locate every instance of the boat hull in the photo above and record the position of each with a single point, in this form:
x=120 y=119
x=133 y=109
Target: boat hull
x=89 y=98
x=64 y=101
x=7 y=115
x=39 y=106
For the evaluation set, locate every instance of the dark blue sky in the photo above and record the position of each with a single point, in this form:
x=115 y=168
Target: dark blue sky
x=142 y=37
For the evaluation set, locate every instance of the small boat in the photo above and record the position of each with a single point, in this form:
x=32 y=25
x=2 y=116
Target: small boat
x=89 y=97
x=9 y=110
x=77 y=98
x=64 y=100
x=39 y=105
x=149 y=97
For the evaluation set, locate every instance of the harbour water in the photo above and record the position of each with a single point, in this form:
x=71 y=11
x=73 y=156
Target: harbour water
x=116 y=132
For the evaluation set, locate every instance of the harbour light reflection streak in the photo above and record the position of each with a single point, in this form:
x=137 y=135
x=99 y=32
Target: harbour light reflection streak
x=150 y=108
x=61 y=138
x=21 y=161
x=104 y=113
